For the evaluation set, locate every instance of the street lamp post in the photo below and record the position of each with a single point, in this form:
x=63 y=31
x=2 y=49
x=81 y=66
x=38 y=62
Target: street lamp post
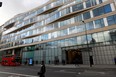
x=90 y=57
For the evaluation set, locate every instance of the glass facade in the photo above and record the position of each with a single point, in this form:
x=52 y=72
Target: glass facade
x=99 y=23
x=111 y=20
x=56 y=35
x=102 y=10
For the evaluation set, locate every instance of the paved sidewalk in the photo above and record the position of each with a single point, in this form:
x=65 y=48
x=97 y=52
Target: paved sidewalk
x=82 y=66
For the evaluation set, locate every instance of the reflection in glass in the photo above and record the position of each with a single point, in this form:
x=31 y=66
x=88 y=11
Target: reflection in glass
x=99 y=23
x=100 y=37
x=89 y=26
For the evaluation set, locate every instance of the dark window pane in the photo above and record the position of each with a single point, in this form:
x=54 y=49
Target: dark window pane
x=102 y=23
x=88 y=3
x=107 y=8
x=93 y=2
x=75 y=8
x=101 y=10
x=111 y=20
x=115 y=18
x=96 y=12
x=86 y=15
x=80 y=6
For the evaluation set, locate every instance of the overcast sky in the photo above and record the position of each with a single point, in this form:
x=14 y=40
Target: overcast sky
x=14 y=7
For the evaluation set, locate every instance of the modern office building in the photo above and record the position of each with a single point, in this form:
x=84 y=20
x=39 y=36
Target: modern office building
x=64 y=30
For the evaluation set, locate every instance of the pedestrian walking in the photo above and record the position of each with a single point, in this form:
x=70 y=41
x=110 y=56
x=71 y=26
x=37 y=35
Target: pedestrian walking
x=115 y=60
x=49 y=61
x=42 y=70
x=63 y=62
x=76 y=62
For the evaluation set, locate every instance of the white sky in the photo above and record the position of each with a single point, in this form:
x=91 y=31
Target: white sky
x=14 y=7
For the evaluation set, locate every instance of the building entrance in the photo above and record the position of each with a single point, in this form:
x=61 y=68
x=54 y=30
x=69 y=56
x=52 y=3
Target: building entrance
x=73 y=55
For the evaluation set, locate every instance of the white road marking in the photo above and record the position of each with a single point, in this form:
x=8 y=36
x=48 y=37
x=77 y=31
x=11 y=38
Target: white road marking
x=18 y=74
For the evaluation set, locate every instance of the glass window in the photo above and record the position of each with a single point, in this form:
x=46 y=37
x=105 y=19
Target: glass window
x=30 y=32
x=84 y=40
x=101 y=10
x=68 y=21
x=67 y=10
x=79 y=41
x=89 y=26
x=72 y=30
x=80 y=6
x=93 y=2
x=78 y=18
x=35 y=39
x=111 y=20
x=49 y=35
x=72 y=20
x=58 y=32
x=99 y=23
x=77 y=7
x=35 y=31
x=58 y=43
x=107 y=36
x=115 y=18
x=57 y=15
x=62 y=43
x=56 y=25
x=74 y=8
x=88 y=3
x=100 y=37
x=80 y=28
x=63 y=32
x=62 y=23
x=50 y=27
x=73 y=41
x=86 y=15
x=63 y=12
x=66 y=42
x=107 y=8
x=65 y=23
x=113 y=34
x=54 y=35
x=96 y=12
x=44 y=37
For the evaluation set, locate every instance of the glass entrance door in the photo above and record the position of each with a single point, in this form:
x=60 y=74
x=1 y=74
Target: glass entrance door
x=73 y=55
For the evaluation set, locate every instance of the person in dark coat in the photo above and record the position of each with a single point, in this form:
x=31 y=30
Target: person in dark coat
x=115 y=60
x=42 y=70
x=63 y=62
x=76 y=62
